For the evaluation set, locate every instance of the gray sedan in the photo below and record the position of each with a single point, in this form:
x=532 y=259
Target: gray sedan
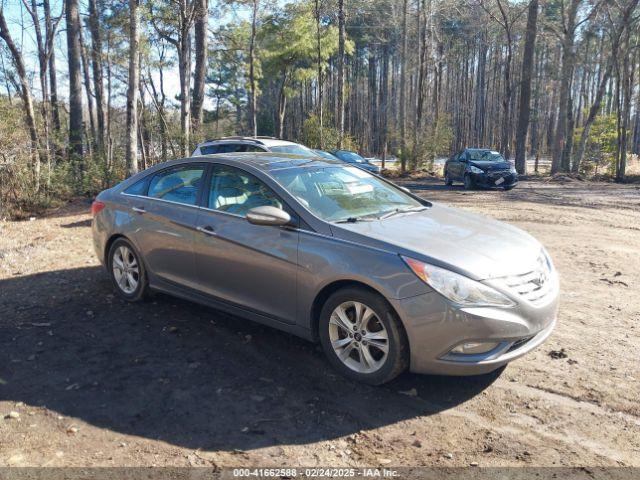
x=383 y=279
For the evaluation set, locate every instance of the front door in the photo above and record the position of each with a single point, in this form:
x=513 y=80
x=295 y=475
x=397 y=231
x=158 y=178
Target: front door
x=250 y=266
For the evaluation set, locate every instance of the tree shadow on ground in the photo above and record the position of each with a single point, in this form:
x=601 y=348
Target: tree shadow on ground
x=174 y=371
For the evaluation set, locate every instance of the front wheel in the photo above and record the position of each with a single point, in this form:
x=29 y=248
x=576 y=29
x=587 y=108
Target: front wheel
x=362 y=336
x=468 y=182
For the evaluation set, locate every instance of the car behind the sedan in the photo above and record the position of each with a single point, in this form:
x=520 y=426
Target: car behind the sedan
x=480 y=167
x=383 y=279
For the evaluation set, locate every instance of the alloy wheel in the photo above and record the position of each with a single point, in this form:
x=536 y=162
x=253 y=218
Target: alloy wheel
x=125 y=269
x=358 y=337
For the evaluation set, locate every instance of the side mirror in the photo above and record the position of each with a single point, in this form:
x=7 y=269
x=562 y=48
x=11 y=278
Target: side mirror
x=268 y=215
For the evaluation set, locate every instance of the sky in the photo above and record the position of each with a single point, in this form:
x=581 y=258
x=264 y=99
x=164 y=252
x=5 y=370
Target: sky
x=23 y=33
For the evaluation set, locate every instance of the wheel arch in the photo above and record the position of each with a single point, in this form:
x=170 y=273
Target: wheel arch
x=333 y=287
x=108 y=243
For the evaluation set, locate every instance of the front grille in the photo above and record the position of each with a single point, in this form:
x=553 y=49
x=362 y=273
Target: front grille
x=533 y=286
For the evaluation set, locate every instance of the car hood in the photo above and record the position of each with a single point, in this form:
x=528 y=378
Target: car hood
x=490 y=166
x=474 y=245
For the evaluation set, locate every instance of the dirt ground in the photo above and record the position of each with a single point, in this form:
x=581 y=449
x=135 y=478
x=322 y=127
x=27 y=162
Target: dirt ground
x=88 y=380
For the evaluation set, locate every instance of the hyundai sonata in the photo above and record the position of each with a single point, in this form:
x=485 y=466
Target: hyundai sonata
x=383 y=279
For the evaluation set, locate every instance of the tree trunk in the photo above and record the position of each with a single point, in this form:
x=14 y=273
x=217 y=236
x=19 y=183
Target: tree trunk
x=25 y=94
x=53 y=84
x=200 y=31
x=566 y=74
x=132 y=89
x=341 y=42
x=76 y=147
x=96 y=63
x=319 y=54
x=403 y=85
x=525 y=87
x=184 y=66
x=253 y=93
x=87 y=87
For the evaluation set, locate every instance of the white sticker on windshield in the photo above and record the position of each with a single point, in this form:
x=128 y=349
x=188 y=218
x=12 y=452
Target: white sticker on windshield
x=358 y=172
x=494 y=152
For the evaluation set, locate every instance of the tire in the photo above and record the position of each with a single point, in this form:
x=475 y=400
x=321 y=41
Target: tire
x=468 y=182
x=447 y=179
x=123 y=254
x=377 y=367
x=506 y=189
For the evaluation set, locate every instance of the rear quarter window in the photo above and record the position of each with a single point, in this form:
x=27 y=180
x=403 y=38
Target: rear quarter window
x=138 y=188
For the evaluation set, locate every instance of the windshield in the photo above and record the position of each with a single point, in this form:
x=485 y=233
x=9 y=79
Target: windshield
x=343 y=193
x=351 y=157
x=324 y=154
x=295 y=149
x=485 y=156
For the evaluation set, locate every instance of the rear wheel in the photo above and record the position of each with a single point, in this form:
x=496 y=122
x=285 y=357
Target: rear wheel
x=362 y=336
x=127 y=271
x=447 y=179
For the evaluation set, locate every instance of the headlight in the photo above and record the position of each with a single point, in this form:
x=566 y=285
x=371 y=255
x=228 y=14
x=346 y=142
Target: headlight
x=476 y=169
x=458 y=288
x=513 y=169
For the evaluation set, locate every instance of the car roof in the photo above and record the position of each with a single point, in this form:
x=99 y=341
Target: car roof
x=267 y=161
x=265 y=141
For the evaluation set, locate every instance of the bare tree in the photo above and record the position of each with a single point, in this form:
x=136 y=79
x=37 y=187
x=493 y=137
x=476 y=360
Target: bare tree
x=403 y=87
x=341 y=54
x=76 y=148
x=181 y=40
x=525 y=86
x=253 y=89
x=132 y=88
x=319 y=52
x=200 y=33
x=97 y=70
x=623 y=23
x=25 y=95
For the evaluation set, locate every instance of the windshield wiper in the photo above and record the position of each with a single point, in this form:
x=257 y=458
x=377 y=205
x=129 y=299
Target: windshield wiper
x=398 y=211
x=363 y=218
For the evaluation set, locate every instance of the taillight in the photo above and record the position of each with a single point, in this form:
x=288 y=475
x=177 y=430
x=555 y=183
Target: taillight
x=96 y=207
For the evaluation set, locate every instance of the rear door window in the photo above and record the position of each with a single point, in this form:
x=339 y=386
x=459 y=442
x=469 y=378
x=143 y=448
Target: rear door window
x=178 y=184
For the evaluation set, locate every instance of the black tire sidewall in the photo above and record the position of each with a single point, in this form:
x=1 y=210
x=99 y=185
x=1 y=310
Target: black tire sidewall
x=141 y=289
x=468 y=182
x=398 y=356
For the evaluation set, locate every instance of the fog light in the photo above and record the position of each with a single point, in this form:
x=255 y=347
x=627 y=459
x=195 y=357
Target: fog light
x=470 y=348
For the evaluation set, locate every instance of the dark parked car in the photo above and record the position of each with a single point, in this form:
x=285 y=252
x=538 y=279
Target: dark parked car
x=480 y=167
x=356 y=160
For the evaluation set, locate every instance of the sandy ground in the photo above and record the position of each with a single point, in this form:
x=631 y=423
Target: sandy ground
x=86 y=379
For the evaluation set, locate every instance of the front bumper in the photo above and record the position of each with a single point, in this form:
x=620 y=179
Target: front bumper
x=434 y=327
x=489 y=179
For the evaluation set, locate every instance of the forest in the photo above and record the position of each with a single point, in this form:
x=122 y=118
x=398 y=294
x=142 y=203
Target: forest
x=93 y=91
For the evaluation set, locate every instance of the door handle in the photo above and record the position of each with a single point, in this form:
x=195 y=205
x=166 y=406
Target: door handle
x=207 y=230
x=138 y=209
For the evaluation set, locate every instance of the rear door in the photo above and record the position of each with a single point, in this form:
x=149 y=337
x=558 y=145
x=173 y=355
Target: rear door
x=247 y=265
x=165 y=220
